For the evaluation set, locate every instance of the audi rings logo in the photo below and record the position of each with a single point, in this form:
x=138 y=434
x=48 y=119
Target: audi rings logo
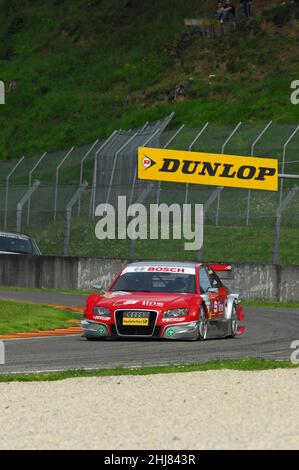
x=136 y=314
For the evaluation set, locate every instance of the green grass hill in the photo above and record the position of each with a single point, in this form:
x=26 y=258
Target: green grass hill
x=77 y=69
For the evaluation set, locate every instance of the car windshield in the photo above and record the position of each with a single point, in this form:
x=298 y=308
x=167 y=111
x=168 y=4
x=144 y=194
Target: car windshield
x=156 y=282
x=15 y=244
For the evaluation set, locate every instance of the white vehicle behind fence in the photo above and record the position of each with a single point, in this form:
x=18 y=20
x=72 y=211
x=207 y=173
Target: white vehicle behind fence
x=17 y=244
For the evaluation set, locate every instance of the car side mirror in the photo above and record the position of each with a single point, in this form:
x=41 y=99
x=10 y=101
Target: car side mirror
x=212 y=289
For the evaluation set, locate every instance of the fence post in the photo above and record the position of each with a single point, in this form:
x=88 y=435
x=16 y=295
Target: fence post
x=283 y=205
x=68 y=218
x=94 y=180
x=30 y=182
x=22 y=202
x=132 y=244
x=7 y=189
x=252 y=153
x=284 y=159
x=206 y=207
x=57 y=179
x=135 y=172
x=145 y=126
x=81 y=170
x=222 y=151
x=165 y=147
x=190 y=149
x=114 y=163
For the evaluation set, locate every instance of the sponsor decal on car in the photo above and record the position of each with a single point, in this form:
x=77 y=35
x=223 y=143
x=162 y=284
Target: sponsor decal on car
x=160 y=269
x=99 y=317
x=149 y=303
x=171 y=332
x=173 y=320
x=135 y=321
x=208 y=169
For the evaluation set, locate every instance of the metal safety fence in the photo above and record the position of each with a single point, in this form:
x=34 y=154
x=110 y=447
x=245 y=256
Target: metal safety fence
x=54 y=196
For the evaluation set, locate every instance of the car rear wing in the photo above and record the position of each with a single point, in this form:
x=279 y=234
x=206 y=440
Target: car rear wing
x=223 y=270
x=221 y=267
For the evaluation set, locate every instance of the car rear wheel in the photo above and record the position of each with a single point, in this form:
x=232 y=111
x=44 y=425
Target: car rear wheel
x=233 y=324
x=202 y=325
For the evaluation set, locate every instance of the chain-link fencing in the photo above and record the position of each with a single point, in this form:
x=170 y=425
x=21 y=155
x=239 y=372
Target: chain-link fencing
x=54 y=195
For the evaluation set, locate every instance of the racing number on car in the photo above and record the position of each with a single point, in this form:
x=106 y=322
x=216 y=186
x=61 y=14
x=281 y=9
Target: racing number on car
x=217 y=307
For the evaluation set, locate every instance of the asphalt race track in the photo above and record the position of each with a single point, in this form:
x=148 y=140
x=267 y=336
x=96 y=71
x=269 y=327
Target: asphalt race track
x=269 y=334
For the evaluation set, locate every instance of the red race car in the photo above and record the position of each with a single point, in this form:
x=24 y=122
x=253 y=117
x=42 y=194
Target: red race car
x=179 y=300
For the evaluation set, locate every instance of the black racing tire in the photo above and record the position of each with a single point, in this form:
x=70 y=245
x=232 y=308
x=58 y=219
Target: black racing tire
x=202 y=325
x=93 y=338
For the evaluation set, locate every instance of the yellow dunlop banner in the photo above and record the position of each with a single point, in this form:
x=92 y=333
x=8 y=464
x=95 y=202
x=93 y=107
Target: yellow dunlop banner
x=207 y=168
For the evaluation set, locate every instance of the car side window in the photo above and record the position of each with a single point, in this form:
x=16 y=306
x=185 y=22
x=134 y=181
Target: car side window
x=204 y=280
x=215 y=281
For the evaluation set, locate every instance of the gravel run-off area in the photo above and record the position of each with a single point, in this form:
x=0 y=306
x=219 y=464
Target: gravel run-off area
x=190 y=411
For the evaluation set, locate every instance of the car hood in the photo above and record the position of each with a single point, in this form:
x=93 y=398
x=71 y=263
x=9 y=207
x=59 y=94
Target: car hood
x=9 y=253
x=145 y=300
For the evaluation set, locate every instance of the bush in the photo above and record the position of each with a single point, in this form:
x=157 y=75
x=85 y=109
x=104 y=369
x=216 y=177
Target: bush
x=283 y=13
x=15 y=25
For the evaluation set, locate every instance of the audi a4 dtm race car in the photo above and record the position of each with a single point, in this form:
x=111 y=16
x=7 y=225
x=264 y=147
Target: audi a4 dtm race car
x=185 y=300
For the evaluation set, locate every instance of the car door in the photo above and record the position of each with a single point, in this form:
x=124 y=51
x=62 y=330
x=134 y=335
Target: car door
x=218 y=293
x=207 y=289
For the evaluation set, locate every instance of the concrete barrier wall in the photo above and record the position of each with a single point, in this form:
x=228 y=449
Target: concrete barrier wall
x=255 y=281
x=289 y=283
x=98 y=271
x=252 y=281
x=51 y=272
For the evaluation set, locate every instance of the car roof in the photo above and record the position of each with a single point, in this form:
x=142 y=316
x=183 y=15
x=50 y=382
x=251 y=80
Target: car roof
x=183 y=264
x=21 y=236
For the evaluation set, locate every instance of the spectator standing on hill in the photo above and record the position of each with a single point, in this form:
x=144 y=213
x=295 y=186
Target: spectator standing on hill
x=246 y=4
x=219 y=13
x=229 y=10
x=225 y=11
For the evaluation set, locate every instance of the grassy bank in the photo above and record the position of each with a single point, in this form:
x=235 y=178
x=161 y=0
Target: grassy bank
x=80 y=69
x=16 y=317
x=241 y=365
x=270 y=304
x=53 y=291
x=231 y=244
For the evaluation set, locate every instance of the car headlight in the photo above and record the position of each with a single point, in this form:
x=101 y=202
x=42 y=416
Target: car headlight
x=176 y=312
x=102 y=311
